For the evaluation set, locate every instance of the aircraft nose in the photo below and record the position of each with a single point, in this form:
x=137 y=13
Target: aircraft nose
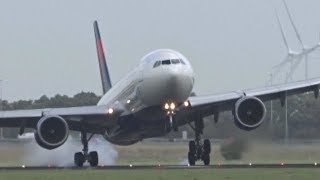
x=179 y=83
x=172 y=83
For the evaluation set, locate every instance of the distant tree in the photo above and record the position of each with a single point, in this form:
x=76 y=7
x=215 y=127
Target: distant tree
x=42 y=102
x=22 y=104
x=85 y=99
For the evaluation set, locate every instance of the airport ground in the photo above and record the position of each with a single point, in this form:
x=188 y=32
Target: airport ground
x=185 y=174
x=12 y=153
x=174 y=153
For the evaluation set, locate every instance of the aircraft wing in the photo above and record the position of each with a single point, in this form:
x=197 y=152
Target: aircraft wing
x=95 y=119
x=208 y=105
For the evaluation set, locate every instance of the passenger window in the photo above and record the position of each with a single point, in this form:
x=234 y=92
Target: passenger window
x=166 y=62
x=175 y=61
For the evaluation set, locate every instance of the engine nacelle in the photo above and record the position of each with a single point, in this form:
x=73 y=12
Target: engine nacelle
x=249 y=113
x=51 y=132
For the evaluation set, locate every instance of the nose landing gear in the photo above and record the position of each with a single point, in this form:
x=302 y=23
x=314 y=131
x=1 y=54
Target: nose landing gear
x=81 y=157
x=197 y=149
x=170 y=124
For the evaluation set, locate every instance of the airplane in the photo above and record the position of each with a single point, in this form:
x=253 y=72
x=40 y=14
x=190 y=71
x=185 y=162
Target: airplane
x=150 y=101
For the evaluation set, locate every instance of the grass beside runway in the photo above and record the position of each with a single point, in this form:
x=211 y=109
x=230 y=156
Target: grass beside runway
x=186 y=174
x=171 y=153
x=176 y=154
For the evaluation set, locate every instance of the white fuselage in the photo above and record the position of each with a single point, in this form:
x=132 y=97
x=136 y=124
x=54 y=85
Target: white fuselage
x=162 y=76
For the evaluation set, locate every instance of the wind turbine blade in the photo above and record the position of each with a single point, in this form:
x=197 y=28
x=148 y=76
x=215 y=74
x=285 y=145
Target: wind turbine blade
x=292 y=23
x=282 y=63
x=277 y=69
x=282 y=33
x=287 y=59
x=293 y=68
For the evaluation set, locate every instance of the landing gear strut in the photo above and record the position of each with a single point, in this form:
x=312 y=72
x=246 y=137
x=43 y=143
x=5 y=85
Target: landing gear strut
x=197 y=149
x=82 y=157
x=171 y=123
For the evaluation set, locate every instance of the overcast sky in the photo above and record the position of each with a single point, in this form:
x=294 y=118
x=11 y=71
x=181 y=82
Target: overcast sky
x=47 y=47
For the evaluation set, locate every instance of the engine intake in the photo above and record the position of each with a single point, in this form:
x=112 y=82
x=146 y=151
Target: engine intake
x=51 y=132
x=249 y=113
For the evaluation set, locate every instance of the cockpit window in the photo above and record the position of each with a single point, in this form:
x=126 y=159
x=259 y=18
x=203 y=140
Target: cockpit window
x=156 y=64
x=182 y=62
x=175 y=61
x=166 y=62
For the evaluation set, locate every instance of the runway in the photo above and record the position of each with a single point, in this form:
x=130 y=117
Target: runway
x=164 y=167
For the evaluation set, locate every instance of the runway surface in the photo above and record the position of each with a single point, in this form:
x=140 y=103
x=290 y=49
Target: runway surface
x=166 y=167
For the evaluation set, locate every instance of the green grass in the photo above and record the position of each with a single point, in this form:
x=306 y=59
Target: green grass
x=166 y=153
x=173 y=154
x=188 y=174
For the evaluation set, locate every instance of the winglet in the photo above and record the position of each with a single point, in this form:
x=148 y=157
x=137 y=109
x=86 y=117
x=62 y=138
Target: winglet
x=104 y=72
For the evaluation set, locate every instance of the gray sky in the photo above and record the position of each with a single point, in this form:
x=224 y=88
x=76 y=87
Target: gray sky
x=47 y=47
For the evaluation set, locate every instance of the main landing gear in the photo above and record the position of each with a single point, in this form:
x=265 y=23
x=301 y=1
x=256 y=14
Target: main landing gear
x=82 y=157
x=197 y=149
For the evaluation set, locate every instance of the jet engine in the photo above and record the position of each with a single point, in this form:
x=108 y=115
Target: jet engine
x=51 y=132
x=249 y=113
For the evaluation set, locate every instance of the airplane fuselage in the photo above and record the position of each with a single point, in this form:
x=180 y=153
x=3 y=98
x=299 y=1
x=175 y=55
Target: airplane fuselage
x=162 y=77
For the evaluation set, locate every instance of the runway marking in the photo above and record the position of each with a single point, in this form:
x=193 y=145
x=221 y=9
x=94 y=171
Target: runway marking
x=167 y=167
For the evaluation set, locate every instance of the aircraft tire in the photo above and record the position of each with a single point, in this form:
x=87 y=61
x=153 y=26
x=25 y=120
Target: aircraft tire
x=207 y=146
x=93 y=158
x=191 y=159
x=206 y=159
x=79 y=159
x=192 y=147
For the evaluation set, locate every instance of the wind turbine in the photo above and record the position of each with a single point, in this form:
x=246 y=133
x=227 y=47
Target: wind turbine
x=294 y=58
x=304 y=54
x=291 y=55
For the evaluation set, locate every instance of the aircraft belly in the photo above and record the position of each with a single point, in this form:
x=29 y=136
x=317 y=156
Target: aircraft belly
x=133 y=129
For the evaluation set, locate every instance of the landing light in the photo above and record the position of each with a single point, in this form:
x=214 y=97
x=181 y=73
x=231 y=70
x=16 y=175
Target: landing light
x=172 y=106
x=128 y=101
x=186 y=103
x=110 y=110
x=166 y=106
